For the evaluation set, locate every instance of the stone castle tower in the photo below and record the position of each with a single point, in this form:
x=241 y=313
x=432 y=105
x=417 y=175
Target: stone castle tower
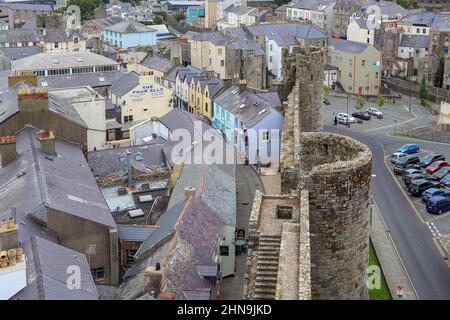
x=329 y=177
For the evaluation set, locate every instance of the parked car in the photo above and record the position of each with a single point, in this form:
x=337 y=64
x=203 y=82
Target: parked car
x=375 y=112
x=439 y=175
x=363 y=115
x=430 y=158
x=396 y=156
x=438 y=204
x=445 y=182
x=325 y=100
x=436 y=166
x=408 y=162
x=409 y=148
x=432 y=192
x=415 y=176
x=409 y=172
x=345 y=118
x=417 y=187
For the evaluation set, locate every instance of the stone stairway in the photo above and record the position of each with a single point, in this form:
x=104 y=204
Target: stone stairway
x=267 y=267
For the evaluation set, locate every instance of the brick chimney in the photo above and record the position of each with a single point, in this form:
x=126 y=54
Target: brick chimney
x=32 y=98
x=152 y=280
x=7 y=149
x=47 y=139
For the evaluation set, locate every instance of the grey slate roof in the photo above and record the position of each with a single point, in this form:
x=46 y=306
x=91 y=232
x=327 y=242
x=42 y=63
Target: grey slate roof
x=112 y=162
x=50 y=183
x=55 y=35
x=414 y=41
x=15 y=53
x=238 y=9
x=441 y=22
x=28 y=6
x=157 y=63
x=129 y=27
x=348 y=46
x=171 y=76
x=315 y=5
x=239 y=39
x=419 y=19
x=252 y=113
x=134 y=233
x=104 y=22
x=20 y=35
x=47 y=265
x=388 y=8
x=216 y=38
x=124 y=84
x=98 y=79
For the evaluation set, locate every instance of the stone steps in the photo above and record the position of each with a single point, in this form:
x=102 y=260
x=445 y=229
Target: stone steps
x=263 y=297
x=265 y=285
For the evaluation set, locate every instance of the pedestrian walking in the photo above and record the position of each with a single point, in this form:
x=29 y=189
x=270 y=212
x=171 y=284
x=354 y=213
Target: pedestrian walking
x=335 y=120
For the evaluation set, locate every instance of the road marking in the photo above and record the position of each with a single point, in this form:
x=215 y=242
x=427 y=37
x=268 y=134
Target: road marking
x=435 y=240
x=395 y=124
x=395 y=248
x=404 y=193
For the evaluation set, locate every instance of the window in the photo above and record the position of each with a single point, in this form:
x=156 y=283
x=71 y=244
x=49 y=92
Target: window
x=350 y=74
x=75 y=40
x=270 y=59
x=418 y=30
x=363 y=63
x=56 y=44
x=265 y=136
x=222 y=63
x=128 y=118
x=219 y=52
x=271 y=48
x=368 y=40
x=98 y=274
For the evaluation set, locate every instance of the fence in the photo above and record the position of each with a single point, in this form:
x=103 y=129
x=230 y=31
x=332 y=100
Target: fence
x=408 y=87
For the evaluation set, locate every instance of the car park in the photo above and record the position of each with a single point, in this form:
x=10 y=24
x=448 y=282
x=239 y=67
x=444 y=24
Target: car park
x=345 y=118
x=409 y=172
x=417 y=187
x=408 y=162
x=409 y=148
x=439 y=175
x=361 y=115
x=436 y=166
x=396 y=156
x=375 y=112
x=430 y=158
x=438 y=204
x=432 y=192
x=416 y=176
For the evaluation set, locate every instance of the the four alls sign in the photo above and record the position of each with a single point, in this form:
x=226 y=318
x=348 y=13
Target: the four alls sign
x=399 y=289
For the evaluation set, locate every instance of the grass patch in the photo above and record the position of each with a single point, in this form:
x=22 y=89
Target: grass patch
x=383 y=292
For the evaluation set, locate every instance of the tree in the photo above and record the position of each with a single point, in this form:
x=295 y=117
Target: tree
x=326 y=89
x=157 y=20
x=408 y=4
x=180 y=16
x=360 y=102
x=87 y=7
x=380 y=101
x=423 y=89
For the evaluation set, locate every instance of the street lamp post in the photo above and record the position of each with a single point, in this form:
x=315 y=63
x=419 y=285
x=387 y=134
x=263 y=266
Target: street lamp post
x=410 y=95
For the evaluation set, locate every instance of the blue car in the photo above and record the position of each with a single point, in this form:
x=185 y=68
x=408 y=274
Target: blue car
x=432 y=192
x=438 y=204
x=409 y=148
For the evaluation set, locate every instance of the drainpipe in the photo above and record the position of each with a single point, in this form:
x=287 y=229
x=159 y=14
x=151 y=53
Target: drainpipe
x=129 y=168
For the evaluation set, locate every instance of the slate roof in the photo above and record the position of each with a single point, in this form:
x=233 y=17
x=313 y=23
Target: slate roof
x=15 y=53
x=414 y=41
x=285 y=34
x=315 y=5
x=98 y=79
x=104 y=22
x=20 y=35
x=272 y=97
x=129 y=27
x=216 y=38
x=441 y=22
x=388 y=8
x=134 y=233
x=348 y=46
x=45 y=60
x=157 y=63
x=253 y=111
x=418 y=19
x=55 y=35
x=49 y=182
x=238 y=9
x=172 y=74
x=47 y=265
x=239 y=39
x=112 y=162
x=124 y=84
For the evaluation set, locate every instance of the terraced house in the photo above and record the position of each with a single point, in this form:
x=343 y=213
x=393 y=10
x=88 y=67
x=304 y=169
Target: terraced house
x=129 y=34
x=202 y=91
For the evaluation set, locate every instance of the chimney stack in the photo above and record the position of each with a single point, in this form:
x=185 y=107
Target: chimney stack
x=7 y=149
x=47 y=139
x=130 y=173
x=32 y=99
x=189 y=191
x=152 y=280
x=9 y=233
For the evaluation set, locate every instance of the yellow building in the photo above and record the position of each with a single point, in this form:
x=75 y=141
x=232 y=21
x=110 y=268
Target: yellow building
x=202 y=91
x=153 y=66
x=140 y=97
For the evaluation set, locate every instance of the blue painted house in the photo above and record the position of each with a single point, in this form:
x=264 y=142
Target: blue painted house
x=127 y=34
x=192 y=12
x=251 y=123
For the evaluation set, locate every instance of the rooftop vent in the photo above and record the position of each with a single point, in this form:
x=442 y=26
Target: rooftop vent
x=101 y=79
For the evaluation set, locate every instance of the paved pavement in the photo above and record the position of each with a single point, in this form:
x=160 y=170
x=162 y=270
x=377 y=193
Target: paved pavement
x=390 y=261
x=248 y=181
x=421 y=254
